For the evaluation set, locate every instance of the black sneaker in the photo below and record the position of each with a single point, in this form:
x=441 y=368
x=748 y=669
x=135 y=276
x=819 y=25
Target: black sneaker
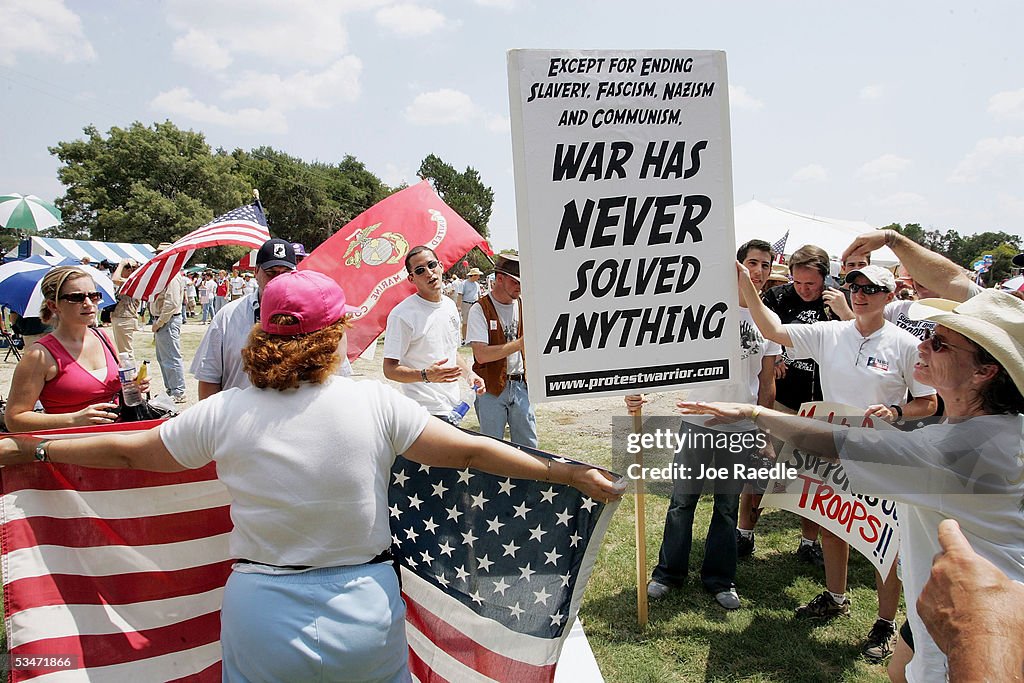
x=881 y=640
x=744 y=545
x=811 y=553
x=823 y=607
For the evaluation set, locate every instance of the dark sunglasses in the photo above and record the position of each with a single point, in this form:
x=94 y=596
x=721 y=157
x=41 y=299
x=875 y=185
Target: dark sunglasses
x=867 y=289
x=419 y=270
x=80 y=297
x=939 y=344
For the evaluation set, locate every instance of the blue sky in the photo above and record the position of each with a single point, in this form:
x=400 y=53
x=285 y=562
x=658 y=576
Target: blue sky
x=874 y=111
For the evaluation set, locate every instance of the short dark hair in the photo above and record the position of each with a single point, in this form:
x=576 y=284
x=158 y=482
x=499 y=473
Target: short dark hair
x=810 y=256
x=417 y=250
x=759 y=245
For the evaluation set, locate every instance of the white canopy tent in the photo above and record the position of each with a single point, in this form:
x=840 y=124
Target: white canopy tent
x=756 y=220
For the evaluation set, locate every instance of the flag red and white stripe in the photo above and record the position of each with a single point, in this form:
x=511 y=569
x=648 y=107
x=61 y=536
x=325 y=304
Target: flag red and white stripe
x=245 y=226
x=116 y=574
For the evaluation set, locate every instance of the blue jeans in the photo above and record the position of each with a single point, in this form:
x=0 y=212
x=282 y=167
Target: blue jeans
x=511 y=407
x=718 y=571
x=218 y=302
x=208 y=310
x=168 y=355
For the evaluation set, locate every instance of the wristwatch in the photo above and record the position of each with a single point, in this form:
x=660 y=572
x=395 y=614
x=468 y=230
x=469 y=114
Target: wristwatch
x=41 y=455
x=899 y=414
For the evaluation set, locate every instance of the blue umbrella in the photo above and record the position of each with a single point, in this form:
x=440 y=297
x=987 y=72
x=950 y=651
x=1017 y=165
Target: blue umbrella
x=20 y=280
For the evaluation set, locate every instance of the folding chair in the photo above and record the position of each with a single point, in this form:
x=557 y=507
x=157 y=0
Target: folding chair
x=13 y=340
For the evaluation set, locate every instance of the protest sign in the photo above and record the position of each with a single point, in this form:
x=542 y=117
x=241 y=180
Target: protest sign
x=821 y=493
x=624 y=203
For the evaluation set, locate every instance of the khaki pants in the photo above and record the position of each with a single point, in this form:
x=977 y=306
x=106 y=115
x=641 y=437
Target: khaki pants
x=124 y=329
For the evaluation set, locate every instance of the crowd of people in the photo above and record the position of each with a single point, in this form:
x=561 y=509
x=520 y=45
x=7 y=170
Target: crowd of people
x=273 y=365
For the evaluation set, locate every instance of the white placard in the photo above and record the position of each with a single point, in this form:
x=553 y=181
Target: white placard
x=625 y=212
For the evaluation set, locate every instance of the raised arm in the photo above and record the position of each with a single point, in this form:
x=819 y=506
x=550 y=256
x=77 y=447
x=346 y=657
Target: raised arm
x=934 y=271
x=769 y=324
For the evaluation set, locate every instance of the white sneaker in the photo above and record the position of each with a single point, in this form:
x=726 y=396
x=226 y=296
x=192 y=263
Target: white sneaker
x=656 y=591
x=164 y=402
x=728 y=599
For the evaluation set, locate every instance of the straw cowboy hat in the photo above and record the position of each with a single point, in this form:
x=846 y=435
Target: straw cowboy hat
x=993 y=319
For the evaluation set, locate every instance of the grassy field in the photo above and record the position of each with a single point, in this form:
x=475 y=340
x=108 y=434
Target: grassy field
x=688 y=637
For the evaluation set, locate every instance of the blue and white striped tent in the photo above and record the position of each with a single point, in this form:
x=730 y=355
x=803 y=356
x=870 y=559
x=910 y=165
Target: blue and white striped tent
x=76 y=249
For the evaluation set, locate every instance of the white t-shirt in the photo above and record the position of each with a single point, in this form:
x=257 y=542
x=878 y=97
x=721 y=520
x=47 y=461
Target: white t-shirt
x=251 y=285
x=218 y=359
x=896 y=313
x=860 y=371
x=920 y=469
x=237 y=286
x=508 y=318
x=419 y=333
x=470 y=291
x=307 y=468
x=744 y=386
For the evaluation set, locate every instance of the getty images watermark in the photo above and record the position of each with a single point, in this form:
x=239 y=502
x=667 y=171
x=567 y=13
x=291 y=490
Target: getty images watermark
x=695 y=458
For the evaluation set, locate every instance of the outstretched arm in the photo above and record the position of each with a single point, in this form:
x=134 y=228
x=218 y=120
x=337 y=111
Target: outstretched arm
x=934 y=271
x=138 y=451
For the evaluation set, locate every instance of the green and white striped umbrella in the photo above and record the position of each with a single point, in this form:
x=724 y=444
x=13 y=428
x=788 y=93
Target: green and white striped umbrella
x=21 y=212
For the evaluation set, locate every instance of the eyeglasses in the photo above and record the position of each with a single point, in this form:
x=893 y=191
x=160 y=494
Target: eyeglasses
x=80 y=297
x=430 y=265
x=867 y=289
x=939 y=344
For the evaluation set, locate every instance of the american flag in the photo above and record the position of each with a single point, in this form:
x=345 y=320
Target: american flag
x=493 y=570
x=122 y=571
x=779 y=246
x=245 y=226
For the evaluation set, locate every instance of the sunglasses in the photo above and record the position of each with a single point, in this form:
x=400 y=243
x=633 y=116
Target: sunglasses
x=80 y=297
x=430 y=265
x=867 y=289
x=939 y=344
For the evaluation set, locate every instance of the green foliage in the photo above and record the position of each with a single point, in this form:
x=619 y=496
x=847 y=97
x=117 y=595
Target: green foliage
x=143 y=184
x=308 y=202
x=464 y=192
x=965 y=250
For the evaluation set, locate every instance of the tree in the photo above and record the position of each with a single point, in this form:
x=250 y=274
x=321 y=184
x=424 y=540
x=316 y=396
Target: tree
x=965 y=251
x=464 y=192
x=308 y=202
x=143 y=184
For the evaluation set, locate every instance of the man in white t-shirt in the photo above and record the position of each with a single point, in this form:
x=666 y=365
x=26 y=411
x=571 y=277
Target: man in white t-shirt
x=422 y=339
x=754 y=383
x=495 y=331
x=237 y=285
x=250 y=283
x=467 y=294
x=866 y=363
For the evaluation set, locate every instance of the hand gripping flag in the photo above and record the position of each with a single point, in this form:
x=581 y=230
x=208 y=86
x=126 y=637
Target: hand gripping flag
x=367 y=256
x=119 y=574
x=493 y=570
x=113 y=574
x=245 y=226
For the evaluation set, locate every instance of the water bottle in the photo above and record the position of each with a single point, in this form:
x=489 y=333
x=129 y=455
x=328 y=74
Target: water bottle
x=129 y=387
x=458 y=413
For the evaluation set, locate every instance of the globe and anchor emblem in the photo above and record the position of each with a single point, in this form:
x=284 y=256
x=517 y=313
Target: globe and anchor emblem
x=387 y=248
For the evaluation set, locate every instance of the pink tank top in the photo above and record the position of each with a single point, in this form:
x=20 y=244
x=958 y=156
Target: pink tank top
x=74 y=387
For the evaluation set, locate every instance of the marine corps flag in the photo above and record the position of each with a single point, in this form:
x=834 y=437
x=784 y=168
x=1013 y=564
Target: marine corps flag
x=367 y=256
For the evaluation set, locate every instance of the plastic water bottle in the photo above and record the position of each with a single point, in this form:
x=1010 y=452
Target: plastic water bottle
x=459 y=412
x=129 y=387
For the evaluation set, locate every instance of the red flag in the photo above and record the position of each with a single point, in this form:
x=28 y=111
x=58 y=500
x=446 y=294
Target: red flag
x=246 y=226
x=117 y=573
x=367 y=256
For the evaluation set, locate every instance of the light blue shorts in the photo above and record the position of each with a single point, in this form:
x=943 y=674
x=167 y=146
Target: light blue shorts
x=333 y=624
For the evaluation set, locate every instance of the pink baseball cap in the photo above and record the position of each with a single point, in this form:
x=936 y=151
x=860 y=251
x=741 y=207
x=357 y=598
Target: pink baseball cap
x=314 y=299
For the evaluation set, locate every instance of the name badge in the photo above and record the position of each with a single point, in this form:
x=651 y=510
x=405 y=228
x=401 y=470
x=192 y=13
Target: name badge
x=494 y=324
x=877 y=363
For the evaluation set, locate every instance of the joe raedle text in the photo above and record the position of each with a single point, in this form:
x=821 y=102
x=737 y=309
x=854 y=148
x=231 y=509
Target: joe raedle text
x=704 y=472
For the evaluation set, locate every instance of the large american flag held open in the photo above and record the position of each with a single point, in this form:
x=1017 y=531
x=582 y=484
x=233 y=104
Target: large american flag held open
x=245 y=226
x=122 y=572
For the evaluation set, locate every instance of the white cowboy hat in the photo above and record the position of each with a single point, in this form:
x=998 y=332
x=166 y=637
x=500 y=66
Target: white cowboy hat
x=994 y=320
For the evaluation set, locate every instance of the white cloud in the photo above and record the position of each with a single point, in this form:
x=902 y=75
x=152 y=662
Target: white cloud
x=396 y=174
x=308 y=32
x=42 y=27
x=885 y=167
x=812 y=173
x=181 y=102
x=992 y=157
x=1008 y=104
x=304 y=89
x=498 y=124
x=202 y=50
x=500 y=4
x=739 y=98
x=410 y=20
x=902 y=201
x=872 y=92
x=441 y=107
